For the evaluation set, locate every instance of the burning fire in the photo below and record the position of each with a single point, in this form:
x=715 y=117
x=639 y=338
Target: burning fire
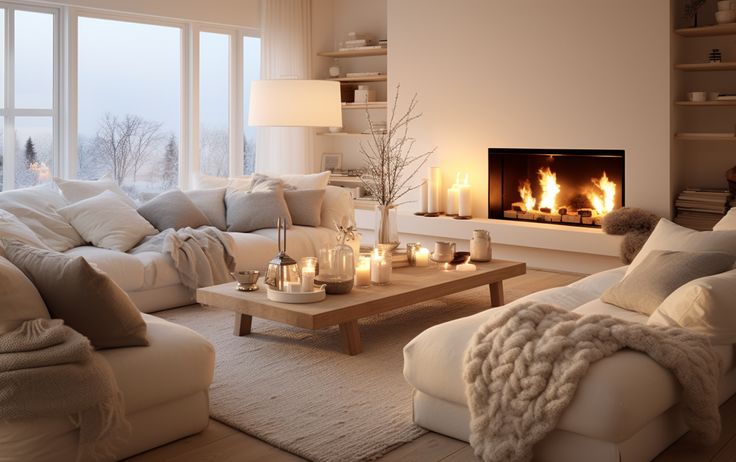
x=550 y=189
x=605 y=203
x=526 y=195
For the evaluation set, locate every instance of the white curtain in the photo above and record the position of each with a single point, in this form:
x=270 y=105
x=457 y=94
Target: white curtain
x=286 y=39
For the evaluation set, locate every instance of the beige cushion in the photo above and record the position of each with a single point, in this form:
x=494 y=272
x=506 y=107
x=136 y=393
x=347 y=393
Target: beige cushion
x=173 y=209
x=705 y=305
x=670 y=236
x=37 y=208
x=249 y=211
x=337 y=207
x=87 y=300
x=307 y=181
x=107 y=221
x=660 y=274
x=305 y=206
x=19 y=299
x=728 y=222
x=12 y=228
x=78 y=190
x=212 y=203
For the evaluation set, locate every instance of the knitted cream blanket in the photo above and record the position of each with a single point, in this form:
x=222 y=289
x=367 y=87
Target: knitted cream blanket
x=49 y=370
x=523 y=366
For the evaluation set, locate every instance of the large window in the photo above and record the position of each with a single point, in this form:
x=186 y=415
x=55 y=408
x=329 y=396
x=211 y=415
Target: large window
x=129 y=113
x=28 y=101
x=251 y=72
x=214 y=107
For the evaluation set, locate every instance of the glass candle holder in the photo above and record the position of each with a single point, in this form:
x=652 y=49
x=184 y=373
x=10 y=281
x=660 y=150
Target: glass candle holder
x=363 y=272
x=380 y=267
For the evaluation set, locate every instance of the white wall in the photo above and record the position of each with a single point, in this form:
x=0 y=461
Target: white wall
x=527 y=73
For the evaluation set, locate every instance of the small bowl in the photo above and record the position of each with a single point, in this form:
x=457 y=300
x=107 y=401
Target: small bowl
x=247 y=280
x=725 y=17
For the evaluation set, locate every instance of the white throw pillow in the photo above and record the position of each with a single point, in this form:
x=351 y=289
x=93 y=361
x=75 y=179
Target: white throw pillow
x=78 y=190
x=670 y=236
x=705 y=305
x=107 y=221
x=337 y=208
x=307 y=181
x=12 y=228
x=37 y=208
x=19 y=298
x=728 y=222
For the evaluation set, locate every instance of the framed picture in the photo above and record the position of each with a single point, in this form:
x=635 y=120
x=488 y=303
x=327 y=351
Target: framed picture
x=331 y=161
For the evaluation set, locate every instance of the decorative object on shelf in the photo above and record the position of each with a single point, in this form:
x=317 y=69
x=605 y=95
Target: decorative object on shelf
x=331 y=161
x=337 y=265
x=363 y=272
x=443 y=252
x=464 y=205
x=422 y=257
x=411 y=252
x=247 y=280
x=726 y=12
x=452 y=198
x=434 y=188
x=364 y=94
x=691 y=10
x=334 y=69
x=480 y=246
x=715 y=56
x=391 y=166
x=381 y=267
x=423 y=191
x=283 y=269
x=697 y=96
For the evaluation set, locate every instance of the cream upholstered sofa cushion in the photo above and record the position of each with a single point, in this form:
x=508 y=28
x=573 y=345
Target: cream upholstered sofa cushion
x=19 y=299
x=107 y=221
x=728 y=222
x=12 y=228
x=706 y=305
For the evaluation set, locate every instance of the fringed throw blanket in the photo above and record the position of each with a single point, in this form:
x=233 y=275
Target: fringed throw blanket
x=47 y=370
x=523 y=366
x=203 y=256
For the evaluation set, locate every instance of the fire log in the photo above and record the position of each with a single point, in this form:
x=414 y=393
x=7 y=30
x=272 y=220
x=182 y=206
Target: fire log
x=571 y=219
x=545 y=210
x=518 y=206
x=510 y=214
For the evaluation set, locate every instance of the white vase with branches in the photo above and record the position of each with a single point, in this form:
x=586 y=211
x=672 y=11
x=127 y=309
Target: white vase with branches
x=391 y=167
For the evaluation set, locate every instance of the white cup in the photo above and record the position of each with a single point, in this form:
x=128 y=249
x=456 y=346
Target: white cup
x=697 y=96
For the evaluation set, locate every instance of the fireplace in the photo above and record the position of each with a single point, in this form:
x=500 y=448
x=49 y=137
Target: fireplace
x=563 y=186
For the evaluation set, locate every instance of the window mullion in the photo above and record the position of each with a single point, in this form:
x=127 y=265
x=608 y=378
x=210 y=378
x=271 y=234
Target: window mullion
x=9 y=122
x=236 y=104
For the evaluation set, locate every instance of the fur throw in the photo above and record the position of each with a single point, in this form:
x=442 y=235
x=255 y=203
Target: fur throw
x=634 y=224
x=523 y=366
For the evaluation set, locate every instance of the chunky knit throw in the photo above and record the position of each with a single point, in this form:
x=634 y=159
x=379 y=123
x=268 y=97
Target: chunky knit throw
x=523 y=366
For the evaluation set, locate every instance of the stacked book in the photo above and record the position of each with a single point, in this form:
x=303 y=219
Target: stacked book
x=700 y=209
x=357 y=41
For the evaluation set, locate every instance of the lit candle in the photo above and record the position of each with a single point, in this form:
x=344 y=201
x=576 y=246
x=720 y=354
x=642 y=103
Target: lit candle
x=446 y=267
x=308 y=278
x=422 y=257
x=380 y=267
x=435 y=185
x=363 y=272
x=464 y=205
x=452 y=197
x=466 y=267
x=423 y=192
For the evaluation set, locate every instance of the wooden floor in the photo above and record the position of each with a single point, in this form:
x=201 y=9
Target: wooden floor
x=220 y=443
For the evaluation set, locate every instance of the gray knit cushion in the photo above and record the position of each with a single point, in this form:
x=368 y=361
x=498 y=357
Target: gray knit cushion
x=212 y=203
x=660 y=274
x=305 y=206
x=249 y=211
x=173 y=209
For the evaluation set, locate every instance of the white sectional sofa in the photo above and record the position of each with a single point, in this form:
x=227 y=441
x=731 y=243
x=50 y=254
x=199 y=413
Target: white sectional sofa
x=626 y=409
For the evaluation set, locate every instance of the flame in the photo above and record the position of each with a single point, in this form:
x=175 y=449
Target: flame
x=603 y=203
x=526 y=195
x=550 y=189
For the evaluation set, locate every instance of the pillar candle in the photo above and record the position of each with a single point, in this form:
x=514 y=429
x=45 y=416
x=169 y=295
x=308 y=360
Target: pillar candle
x=452 y=197
x=435 y=186
x=308 y=279
x=363 y=272
x=422 y=257
x=423 y=192
x=464 y=200
x=380 y=267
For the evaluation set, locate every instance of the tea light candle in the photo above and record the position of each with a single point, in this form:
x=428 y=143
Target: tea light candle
x=422 y=257
x=446 y=267
x=380 y=267
x=363 y=272
x=466 y=267
x=463 y=196
x=308 y=278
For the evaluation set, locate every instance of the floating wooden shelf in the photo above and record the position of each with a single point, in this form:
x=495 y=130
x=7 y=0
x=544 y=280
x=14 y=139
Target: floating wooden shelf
x=342 y=134
x=706 y=136
x=708 y=31
x=354 y=53
x=707 y=67
x=367 y=78
x=371 y=105
x=706 y=103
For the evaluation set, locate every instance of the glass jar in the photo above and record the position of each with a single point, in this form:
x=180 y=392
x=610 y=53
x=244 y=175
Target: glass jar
x=336 y=269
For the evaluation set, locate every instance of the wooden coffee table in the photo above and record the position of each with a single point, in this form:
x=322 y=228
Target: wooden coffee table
x=408 y=286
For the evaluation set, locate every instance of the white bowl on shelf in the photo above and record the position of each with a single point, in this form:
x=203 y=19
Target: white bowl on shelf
x=725 y=17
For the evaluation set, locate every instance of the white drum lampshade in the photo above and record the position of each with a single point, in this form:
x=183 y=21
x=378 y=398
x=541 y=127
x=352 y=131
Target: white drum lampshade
x=295 y=103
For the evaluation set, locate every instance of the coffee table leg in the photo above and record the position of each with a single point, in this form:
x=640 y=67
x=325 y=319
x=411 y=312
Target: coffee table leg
x=242 y=324
x=496 y=293
x=351 y=337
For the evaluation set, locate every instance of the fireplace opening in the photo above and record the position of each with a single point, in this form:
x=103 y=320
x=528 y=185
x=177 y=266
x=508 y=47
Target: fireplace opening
x=564 y=186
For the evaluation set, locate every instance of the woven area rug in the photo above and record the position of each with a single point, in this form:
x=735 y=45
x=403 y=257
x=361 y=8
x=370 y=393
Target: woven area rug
x=295 y=388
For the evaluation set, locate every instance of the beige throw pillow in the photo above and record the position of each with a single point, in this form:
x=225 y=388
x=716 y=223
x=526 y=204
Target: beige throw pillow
x=660 y=274
x=19 y=299
x=78 y=190
x=212 y=203
x=107 y=221
x=305 y=206
x=87 y=300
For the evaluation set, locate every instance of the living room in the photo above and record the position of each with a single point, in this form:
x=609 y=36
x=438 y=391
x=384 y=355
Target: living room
x=218 y=242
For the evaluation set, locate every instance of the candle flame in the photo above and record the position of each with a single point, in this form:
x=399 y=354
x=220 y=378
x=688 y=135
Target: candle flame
x=550 y=189
x=603 y=203
x=525 y=190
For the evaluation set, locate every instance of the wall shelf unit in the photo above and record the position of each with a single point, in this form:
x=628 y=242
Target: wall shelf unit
x=706 y=103
x=708 y=31
x=691 y=67
x=372 y=105
x=685 y=136
x=367 y=78
x=354 y=53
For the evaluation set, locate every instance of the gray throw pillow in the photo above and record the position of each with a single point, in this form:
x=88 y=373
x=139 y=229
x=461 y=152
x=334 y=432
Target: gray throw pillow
x=305 y=206
x=660 y=274
x=212 y=203
x=87 y=300
x=173 y=209
x=249 y=211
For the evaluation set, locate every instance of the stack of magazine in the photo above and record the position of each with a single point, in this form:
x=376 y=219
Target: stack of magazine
x=700 y=209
